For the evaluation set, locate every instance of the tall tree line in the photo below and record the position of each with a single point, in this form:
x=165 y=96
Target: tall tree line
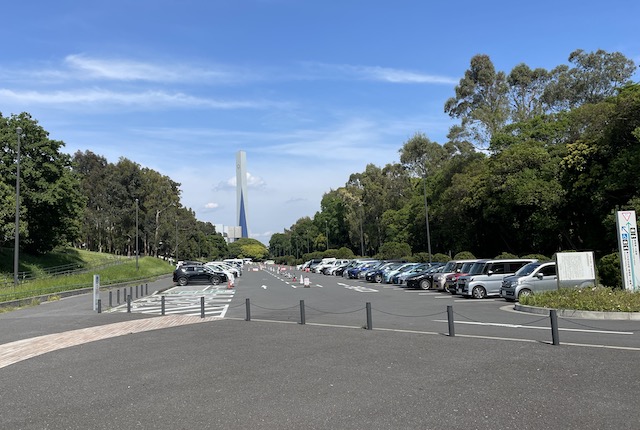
x=85 y=201
x=539 y=162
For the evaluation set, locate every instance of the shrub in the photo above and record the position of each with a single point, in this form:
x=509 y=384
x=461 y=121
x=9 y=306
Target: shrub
x=609 y=270
x=538 y=257
x=394 y=250
x=602 y=299
x=505 y=256
x=464 y=255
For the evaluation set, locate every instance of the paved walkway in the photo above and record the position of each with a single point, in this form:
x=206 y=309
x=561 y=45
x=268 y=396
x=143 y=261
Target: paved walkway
x=17 y=351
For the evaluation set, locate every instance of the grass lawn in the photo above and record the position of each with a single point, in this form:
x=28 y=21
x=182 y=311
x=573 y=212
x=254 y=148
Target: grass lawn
x=82 y=265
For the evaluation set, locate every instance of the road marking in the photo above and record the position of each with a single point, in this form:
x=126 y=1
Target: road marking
x=470 y=300
x=538 y=327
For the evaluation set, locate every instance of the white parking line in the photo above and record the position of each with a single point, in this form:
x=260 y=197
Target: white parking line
x=470 y=300
x=538 y=327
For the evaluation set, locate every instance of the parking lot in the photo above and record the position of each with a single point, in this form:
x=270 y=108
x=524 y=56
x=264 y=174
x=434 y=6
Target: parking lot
x=274 y=295
x=273 y=372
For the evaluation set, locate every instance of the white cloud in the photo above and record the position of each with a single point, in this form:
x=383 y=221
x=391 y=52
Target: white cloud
x=376 y=73
x=212 y=206
x=254 y=182
x=146 y=99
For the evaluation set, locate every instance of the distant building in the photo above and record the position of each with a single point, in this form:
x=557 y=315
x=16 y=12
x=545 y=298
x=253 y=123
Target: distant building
x=230 y=233
x=241 y=190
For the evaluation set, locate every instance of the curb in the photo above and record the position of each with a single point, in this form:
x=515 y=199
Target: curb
x=572 y=313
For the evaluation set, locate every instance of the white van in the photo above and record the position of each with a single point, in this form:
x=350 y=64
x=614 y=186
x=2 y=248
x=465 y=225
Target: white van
x=486 y=276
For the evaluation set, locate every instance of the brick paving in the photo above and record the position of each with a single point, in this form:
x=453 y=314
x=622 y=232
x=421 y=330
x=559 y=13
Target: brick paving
x=14 y=352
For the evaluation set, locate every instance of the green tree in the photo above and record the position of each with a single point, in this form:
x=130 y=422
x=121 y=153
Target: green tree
x=248 y=248
x=51 y=203
x=594 y=77
x=394 y=250
x=481 y=101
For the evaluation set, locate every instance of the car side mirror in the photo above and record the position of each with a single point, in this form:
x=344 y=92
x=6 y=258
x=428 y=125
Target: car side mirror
x=539 y=275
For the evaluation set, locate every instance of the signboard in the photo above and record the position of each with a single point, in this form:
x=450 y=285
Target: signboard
x=575 y=269
x=627 y=231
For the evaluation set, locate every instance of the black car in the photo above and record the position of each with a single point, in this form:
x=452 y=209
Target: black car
x=191 y=274
x=422 y=280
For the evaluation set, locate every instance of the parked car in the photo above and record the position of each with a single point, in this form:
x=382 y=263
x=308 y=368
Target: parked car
x=378 y=274
x=439 y=279
x=331 y=267
x=401 y=277
x=354 y=272
x=451 y=279
x=532 y=277
x=388 y=275
x=423 y=280
x=325 y=262
x=339 y=271
x=486 y=276
x=187 y=274
x=231 y=272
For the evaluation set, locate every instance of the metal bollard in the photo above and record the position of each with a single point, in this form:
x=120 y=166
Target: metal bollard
x=202 y=307
x=129 y=303
x=131 y=291
x=110 y=298
x=99 y=306
x=555 y=336
x=137 y=292
x=452 y=331
x=369 y=321
x=248 y=306
x=118 y=296
x=146 y=289
x=302 y=316
x=162 y=305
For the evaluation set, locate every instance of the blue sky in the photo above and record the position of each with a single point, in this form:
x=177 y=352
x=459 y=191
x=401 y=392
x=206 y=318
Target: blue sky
x=312 y=90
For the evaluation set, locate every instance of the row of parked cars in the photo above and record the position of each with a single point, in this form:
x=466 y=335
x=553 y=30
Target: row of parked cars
x=213 y=272
x=474 y=278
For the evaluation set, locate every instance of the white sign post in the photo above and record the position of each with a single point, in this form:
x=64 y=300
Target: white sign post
x=96 y=291
x=629 y=250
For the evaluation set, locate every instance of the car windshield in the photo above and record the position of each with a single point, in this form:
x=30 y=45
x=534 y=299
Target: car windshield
x=477 y=268
x=527 y=269
x=466 y=267
x=449 y=267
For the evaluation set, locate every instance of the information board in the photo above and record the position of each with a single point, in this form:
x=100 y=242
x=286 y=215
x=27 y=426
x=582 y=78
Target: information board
x=575 y=266
x=629 y=250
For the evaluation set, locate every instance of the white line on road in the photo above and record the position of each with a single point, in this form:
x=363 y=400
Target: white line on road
x=536 y=327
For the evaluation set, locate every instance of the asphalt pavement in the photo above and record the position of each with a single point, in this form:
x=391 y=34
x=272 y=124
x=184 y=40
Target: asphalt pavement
x=279 y=374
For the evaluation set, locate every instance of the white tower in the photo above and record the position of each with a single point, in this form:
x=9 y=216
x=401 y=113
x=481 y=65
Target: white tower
x=241 y=190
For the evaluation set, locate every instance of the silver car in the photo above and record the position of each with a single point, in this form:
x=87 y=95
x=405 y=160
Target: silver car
x=531 y=278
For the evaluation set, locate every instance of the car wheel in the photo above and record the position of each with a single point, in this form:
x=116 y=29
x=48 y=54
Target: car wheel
x=215 y=280
x=524 y=293
x=446 y=288
x=379 y=279
x=425 y=284
x=182 y=281
x=479 y=293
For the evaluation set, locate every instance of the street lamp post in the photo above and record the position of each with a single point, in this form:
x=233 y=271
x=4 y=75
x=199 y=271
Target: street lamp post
x=426 y=215
x=17 y=235
x=137 y=267
x=326 y=224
